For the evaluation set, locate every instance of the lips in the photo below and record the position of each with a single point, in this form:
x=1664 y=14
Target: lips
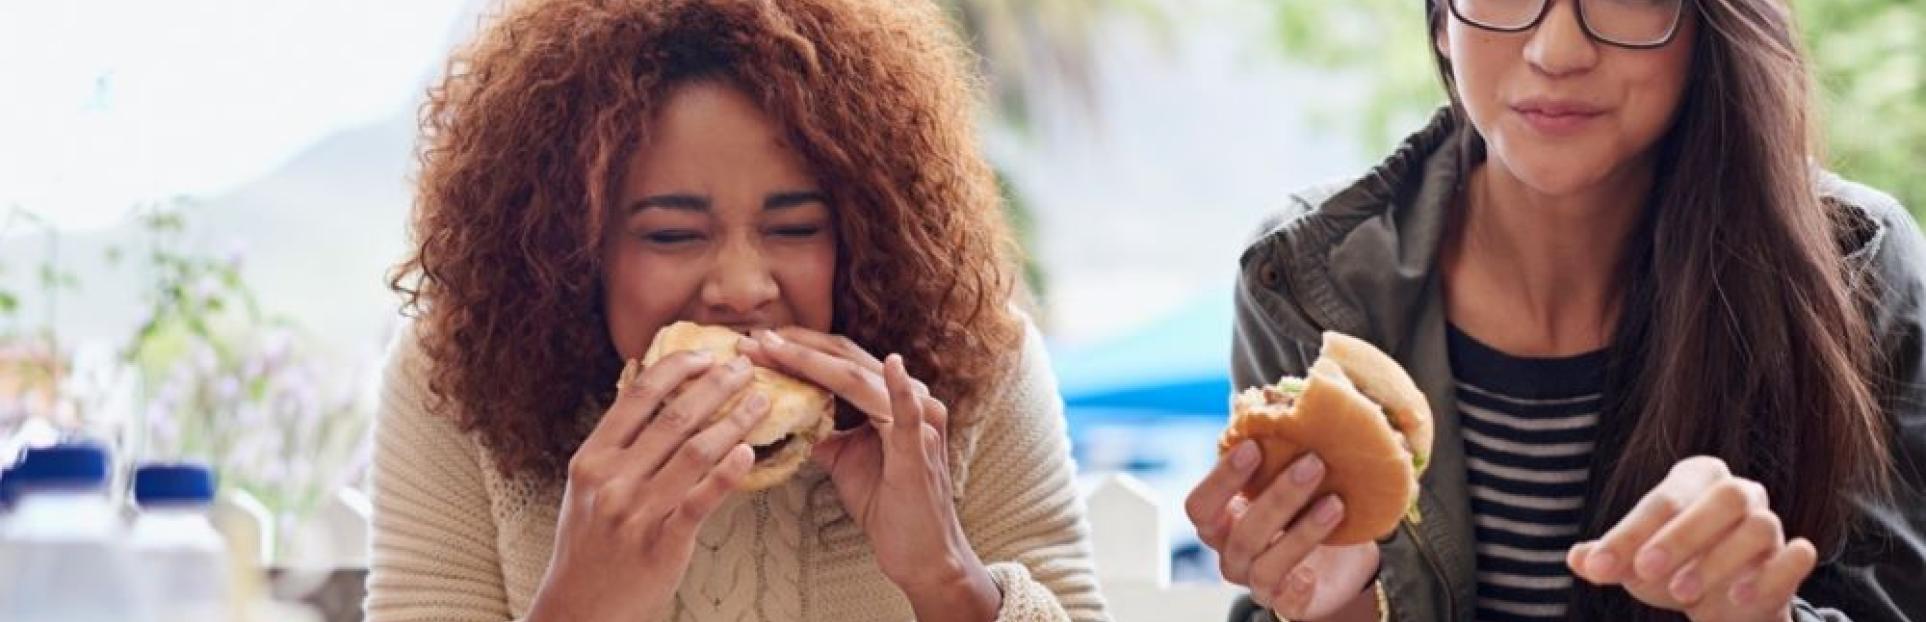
x=1557 y=117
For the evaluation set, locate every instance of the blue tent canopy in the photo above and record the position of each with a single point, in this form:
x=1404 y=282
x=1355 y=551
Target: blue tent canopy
x=1176 y=365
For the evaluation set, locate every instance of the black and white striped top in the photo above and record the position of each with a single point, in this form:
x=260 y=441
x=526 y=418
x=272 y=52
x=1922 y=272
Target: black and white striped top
x=1528 y=425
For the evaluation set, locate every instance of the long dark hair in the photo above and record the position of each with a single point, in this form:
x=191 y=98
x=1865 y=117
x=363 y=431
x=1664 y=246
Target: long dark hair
x=1741 y=334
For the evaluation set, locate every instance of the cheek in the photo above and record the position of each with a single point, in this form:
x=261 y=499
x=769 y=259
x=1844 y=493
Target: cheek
x=644 y=292
x=807 y=277
x=1656 y=95
x=1479 y=62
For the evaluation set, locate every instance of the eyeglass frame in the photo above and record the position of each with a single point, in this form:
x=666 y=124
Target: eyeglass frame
x=1578 y=10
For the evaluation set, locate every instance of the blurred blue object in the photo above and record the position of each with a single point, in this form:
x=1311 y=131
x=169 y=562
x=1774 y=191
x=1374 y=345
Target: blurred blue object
x=1177 y=365
x=1151 y=403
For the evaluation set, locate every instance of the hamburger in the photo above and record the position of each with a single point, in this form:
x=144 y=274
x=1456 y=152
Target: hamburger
x=800 y=414
x=1359 y=411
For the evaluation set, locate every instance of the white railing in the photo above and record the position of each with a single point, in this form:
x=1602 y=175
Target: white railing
x=1127 y=531
x=1132 y=548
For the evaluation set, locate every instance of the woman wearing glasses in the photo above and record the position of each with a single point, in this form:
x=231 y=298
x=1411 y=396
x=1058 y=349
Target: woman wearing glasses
x=1675 y=366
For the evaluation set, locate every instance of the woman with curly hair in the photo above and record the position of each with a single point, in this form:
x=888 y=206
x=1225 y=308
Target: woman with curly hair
x=804 y=172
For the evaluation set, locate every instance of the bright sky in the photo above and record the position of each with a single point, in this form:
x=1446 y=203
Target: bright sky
x=108 y=103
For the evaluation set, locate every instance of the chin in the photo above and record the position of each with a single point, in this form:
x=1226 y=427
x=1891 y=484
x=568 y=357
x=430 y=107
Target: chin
x=1552 y=170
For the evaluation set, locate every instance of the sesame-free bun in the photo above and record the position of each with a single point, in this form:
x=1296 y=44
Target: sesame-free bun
x=800 y=414
x=1361 y=414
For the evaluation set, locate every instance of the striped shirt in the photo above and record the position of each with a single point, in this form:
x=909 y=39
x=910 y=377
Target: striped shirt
x=1528 y=425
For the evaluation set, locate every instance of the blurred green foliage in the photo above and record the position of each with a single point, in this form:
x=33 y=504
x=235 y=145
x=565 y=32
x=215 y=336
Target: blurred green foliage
x=1030 y=51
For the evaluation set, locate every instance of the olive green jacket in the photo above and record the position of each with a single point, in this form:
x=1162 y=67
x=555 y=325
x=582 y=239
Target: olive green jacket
x=1361 y=258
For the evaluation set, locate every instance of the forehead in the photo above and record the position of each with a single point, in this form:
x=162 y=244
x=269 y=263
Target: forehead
x=710 y=129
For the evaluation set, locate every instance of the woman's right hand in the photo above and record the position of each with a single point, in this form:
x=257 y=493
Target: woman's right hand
x=640 y=486
x=1271 y=544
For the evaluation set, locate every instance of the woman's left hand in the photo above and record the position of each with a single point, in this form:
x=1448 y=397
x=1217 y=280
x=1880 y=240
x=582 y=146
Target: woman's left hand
x=893 y=475
x=1703 y=542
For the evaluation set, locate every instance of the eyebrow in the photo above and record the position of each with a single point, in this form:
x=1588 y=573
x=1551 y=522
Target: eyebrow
x=794 y=198
x=698 y=203
x=680 y=202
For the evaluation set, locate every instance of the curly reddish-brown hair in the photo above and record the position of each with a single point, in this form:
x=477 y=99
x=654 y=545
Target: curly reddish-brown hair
x=521 y=152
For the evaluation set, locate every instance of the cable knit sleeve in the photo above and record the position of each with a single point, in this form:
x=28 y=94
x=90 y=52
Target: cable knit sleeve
x=1020 y=507
x=434 y=554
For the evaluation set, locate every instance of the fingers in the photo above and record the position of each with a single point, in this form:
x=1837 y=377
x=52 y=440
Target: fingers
x=1700 y=526
x=1609 y=561
x=829 y=450
x=1291 y=594
x=1756 y=538
x=906 y=410
x=1576 y=557
x=1701 y=532
x=682 y=416
x=704 y=451
x=1779 y=578
x=935 y=413
x=639 y=392
x=1207 y=502
x=1276 y=507
x=849 y=379
x=837 y=345
x=681 y=523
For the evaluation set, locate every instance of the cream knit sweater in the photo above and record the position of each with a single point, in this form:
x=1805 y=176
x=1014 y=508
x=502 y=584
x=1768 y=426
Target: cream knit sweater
x=454 y=540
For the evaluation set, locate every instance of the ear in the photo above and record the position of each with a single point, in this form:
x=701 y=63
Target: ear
x=1442 y=40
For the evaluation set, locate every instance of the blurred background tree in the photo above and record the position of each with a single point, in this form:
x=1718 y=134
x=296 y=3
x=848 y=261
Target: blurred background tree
x=1032 y=51
x=1869 y=58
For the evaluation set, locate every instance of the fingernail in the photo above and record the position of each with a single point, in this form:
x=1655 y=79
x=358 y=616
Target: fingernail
x=757 y=401
x=1244 y=456
x=1687 y=586
x=626 y=379
x=1652 y=563
x=1329 y=510
x=774 y=339
x=746 y=344
x=1307 y=469
x=1301 y=581
x=1603 y=565
x=738 y=364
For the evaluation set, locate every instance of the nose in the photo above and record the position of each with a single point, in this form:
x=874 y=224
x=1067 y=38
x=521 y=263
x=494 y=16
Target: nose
x=739 y=283
x=1559 y=46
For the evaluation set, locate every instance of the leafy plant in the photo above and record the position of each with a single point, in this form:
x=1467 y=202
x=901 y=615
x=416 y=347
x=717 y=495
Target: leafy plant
x=223 y=381
x=212 y=377
x=31 y=368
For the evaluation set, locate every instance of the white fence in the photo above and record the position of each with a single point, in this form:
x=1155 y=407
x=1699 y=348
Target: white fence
x=1127 y=533
x=1133 y=558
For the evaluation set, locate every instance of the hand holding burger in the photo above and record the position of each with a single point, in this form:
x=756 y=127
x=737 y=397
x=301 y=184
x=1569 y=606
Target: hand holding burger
x=891 y=470
x=1314 y=471
x=800 y=414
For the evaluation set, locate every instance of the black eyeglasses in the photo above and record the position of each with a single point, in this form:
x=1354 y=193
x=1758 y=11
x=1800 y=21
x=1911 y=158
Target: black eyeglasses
x=1635 y=24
